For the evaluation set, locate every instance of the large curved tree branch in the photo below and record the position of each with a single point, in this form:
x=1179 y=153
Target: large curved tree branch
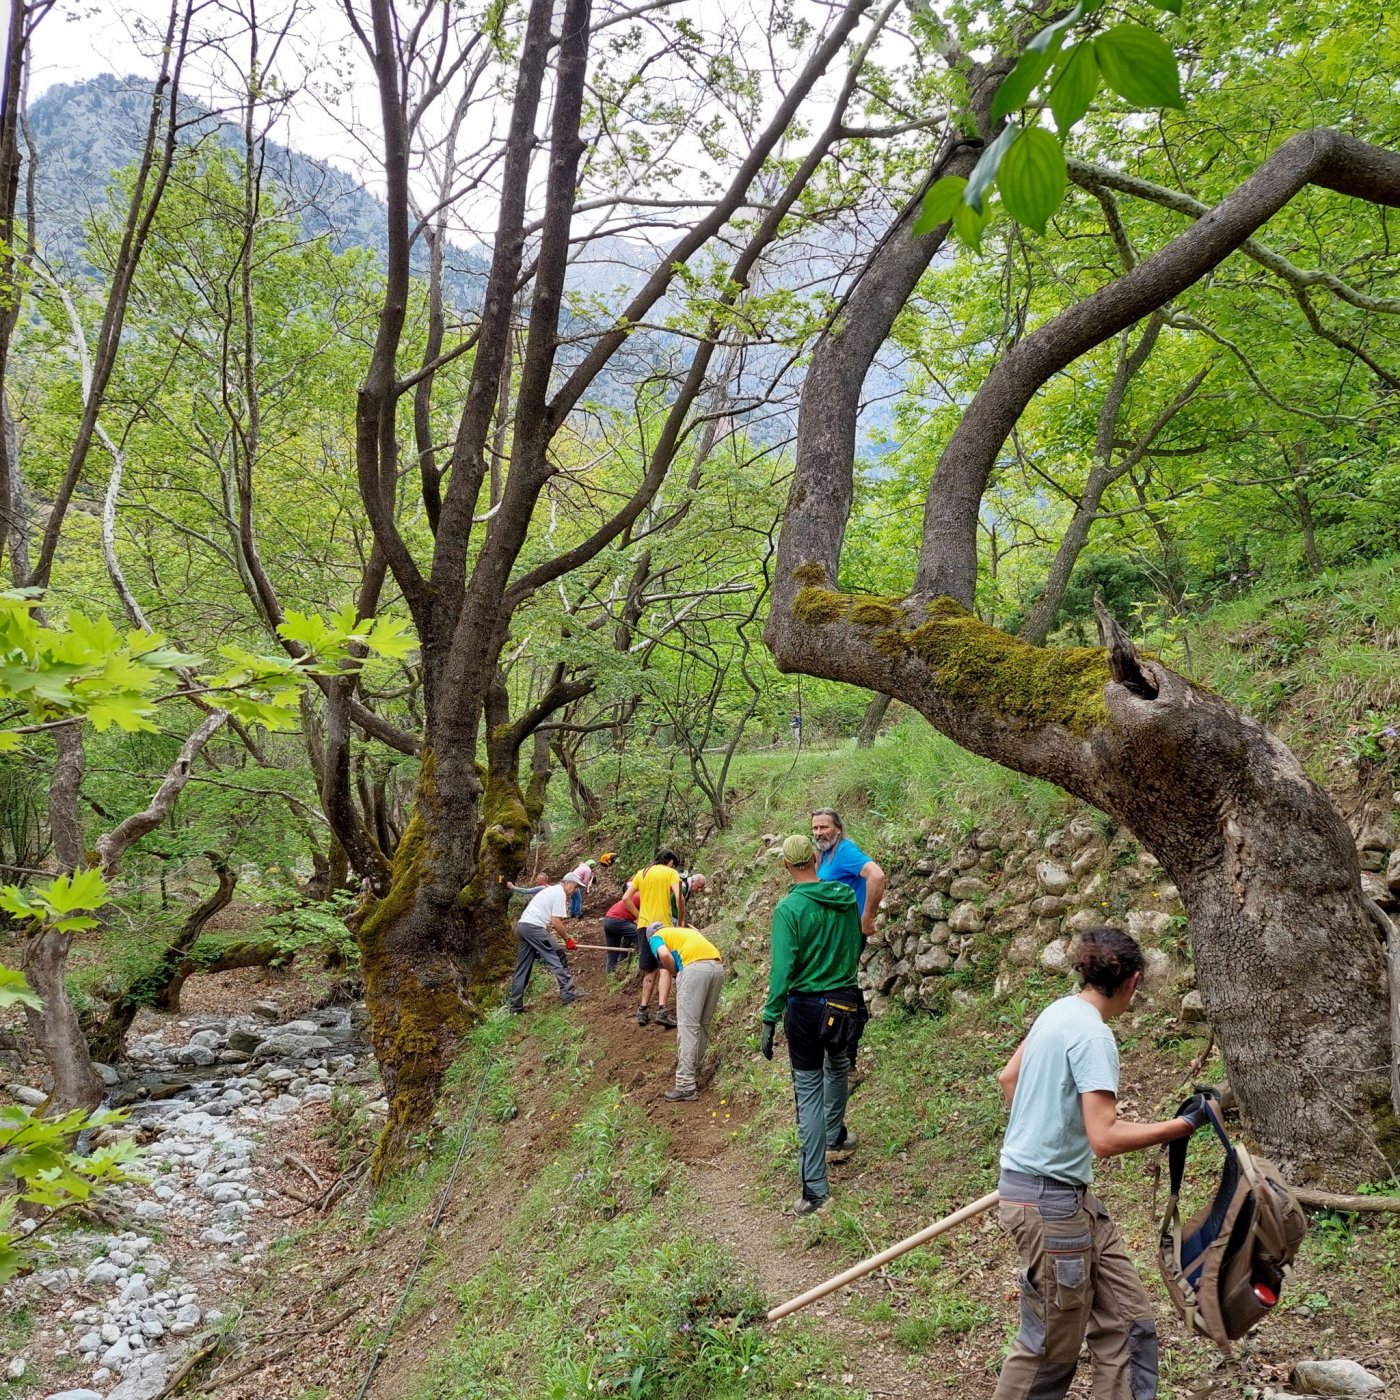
x=1329 y=159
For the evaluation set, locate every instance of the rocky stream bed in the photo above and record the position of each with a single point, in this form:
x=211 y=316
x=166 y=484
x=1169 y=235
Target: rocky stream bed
x=219 y=1102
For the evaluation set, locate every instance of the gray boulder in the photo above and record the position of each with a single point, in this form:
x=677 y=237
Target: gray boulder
x=1054 y=957
x=1052 y=877
x=246 y=1041
x=76 y=1395
x=966 y=918
x=287 y=1045
x=1192 y=1007
x=968 y=887
x=1337 y=1377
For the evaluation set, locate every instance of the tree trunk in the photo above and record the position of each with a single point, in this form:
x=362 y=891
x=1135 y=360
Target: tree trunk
x=55 y=1025
x=415 y=989
x=108 y=1040
x=871 y=720
x=1290 y=969
x=230 y=957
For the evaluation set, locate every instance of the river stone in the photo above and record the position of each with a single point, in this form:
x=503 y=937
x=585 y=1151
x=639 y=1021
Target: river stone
x=1048 y=906
x=30 y=1098
x=1392 y=872
x=197 y=1056
x=266 y=1010
x=1337 y=1377
x=208 y=1038
x=107 y=1074
x=1192 y=1007
x=75 y=1395
x=247 y=1041
x=102 y=1273
x=289 y=1045
x=1054 y=957
x=1051 y=877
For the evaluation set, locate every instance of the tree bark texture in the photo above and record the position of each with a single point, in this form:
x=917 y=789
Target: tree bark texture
x=55 y=1026
x=1288 y=961
x=871 y=721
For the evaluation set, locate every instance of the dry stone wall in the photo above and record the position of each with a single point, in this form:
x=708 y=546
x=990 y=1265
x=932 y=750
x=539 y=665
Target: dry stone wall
x=1010 y=902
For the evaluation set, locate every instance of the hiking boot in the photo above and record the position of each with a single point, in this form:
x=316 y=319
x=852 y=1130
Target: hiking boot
x=516 y=1010
x=643 y=1016
x=842 y=1149
x=681 y=1095
x=572 y=998
x=663 y=1017
x=809 y=1205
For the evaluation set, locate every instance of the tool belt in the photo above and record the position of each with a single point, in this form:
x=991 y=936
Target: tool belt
x=843 y=1016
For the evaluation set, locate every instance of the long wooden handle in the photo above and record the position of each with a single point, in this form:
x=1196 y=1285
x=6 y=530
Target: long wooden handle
x=601 y=948
x=868 y=1266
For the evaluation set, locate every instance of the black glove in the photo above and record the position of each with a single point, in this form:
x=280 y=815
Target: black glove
x=765 y=1040
x=1195 y=1112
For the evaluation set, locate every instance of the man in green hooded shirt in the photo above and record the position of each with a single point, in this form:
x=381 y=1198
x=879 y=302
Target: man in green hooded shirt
x=812 y=987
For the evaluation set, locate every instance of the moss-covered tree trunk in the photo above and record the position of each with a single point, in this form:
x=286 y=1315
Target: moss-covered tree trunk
x=1288 y=961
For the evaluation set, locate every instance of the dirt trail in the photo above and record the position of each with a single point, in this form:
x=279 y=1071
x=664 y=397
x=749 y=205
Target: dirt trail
x=762 y=1237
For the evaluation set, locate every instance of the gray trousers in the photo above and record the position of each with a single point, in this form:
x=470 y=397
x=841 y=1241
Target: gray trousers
x=535 y=944
x=821 y=1086
x=697 y=996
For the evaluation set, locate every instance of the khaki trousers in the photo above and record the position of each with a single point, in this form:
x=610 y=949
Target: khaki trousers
x=697 y=996
x=1077 y=1285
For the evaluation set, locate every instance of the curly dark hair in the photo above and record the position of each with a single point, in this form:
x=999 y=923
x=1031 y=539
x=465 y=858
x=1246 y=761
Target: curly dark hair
x=1107 y=957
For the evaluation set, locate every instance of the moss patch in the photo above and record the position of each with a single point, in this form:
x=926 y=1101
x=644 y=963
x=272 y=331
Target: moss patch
x=1028 y=686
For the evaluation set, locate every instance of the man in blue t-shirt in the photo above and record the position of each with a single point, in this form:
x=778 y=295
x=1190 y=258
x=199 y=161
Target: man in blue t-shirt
x=841 y=859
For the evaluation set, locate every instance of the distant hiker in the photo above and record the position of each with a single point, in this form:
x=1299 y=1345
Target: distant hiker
x=699 y=970
x=620 y=930
x=816 y=947
x=842 y=859
x=795 y=725
x=1077 y=1280
x=582 y=878
x=654 y=893
x=534 y=937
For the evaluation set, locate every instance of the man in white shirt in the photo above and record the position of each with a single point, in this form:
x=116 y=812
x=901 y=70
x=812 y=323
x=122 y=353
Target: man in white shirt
x=544 y=918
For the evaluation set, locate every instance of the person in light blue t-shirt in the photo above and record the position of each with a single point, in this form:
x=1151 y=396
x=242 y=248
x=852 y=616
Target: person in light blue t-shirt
x=841 y=859
x=1061 y=1086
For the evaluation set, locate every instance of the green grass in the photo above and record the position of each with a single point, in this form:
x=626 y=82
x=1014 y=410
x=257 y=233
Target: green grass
x=603 y=1287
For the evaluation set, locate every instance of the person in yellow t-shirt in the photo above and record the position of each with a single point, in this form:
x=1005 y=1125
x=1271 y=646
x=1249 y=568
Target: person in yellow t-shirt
x=653 y=896
x=699 y=970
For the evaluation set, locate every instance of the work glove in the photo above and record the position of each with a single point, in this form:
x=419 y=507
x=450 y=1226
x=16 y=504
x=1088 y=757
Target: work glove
x=570 y=944
x=1195 y=1112
x=765 y=1039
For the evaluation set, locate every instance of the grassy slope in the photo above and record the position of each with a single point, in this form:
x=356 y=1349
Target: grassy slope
x=1321 y=661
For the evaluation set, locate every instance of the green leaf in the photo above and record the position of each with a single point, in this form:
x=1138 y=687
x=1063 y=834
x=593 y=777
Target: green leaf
x=1020 y=82
x=1139 y=66
x=15 y=991
x=1174 y=6
x=391 y=636
x=84 y=889
x=1053 y=35
x=984 y=173
x=1075 y=84
x=1032 y=178
x=939 y=203
x=971 y=223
